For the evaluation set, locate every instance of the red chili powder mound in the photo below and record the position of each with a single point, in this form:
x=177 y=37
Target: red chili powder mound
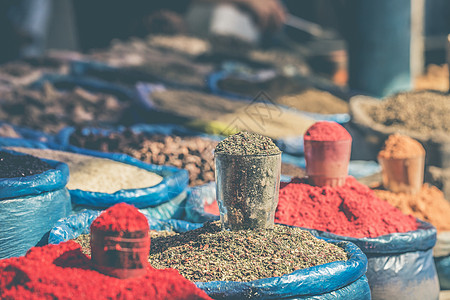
x=64 y=272
x=401 y=146
x=327 y=131
x=350 y=210
x=121 y=217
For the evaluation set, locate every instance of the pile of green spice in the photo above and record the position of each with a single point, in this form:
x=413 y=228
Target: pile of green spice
x=246 y=143
x=12 y=166
x=210 y=253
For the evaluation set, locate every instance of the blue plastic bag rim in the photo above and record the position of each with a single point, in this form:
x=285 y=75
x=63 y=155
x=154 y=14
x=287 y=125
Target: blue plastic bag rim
x=53 y=179
x=422 y=239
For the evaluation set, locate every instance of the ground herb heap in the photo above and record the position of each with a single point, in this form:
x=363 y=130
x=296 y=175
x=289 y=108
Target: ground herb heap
x=210 y=253
x=421 y=112
x=84 y=240
x=99 y=175
x=12 y=165
x=350 y=210
x=245 y=143
x=63 y=272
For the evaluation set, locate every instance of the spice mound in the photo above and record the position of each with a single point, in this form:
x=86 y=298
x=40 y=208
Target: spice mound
x=192 y=153
x=350 y=210
x=84 y=240
x=327 y=131
x=98 y=175
x=12 y=166
x=428 y=205
x=315 y=101
x=245 y=143
x=399 y=146
x=120 y=217
x=422 y=112
x=211 y=254
x=63 y=272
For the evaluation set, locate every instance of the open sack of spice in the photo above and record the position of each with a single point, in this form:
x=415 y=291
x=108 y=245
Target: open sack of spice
x=106 y=179
x=17 y=136
x=333 y=205
x=163 y=144
x=316 y=268
x=139 y=61
x=247 y=255
x=403 y=160
x=421 y=115
x=298 y=93
x=116 y=269
x=55 y=102
x=32 y=198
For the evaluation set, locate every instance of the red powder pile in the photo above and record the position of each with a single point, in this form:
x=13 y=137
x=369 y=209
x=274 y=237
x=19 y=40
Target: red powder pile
x=64 y=272
x=350 y=210
x=327 y=131
x=120 y=217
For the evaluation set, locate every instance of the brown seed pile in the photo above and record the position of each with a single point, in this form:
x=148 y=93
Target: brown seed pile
x=315 y=101
x=194 y=154
x=422 y=112
x=50 y=110
x=210 y=253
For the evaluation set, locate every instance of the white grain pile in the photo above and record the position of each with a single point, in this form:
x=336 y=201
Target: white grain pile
x=99 y=175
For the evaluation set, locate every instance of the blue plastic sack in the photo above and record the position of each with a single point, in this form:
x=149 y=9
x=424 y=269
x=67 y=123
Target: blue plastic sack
x=76 y=224
x=443 y=269
x=29 y=138
x=29 y=207
x=50 y=180
x=336 y=280
x=400 y=265
x=441 y=254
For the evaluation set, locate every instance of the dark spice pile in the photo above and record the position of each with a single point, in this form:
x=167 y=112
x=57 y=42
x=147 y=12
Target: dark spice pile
x=423 y=112
x=51 y=110
x=274 y=87
x=245 y=143
x=194 y=154
x=210 y=253
x=12 y=166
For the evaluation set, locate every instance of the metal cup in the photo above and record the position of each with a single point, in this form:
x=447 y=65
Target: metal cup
x=403 y=175
x=327 y=162
x=247 y=190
